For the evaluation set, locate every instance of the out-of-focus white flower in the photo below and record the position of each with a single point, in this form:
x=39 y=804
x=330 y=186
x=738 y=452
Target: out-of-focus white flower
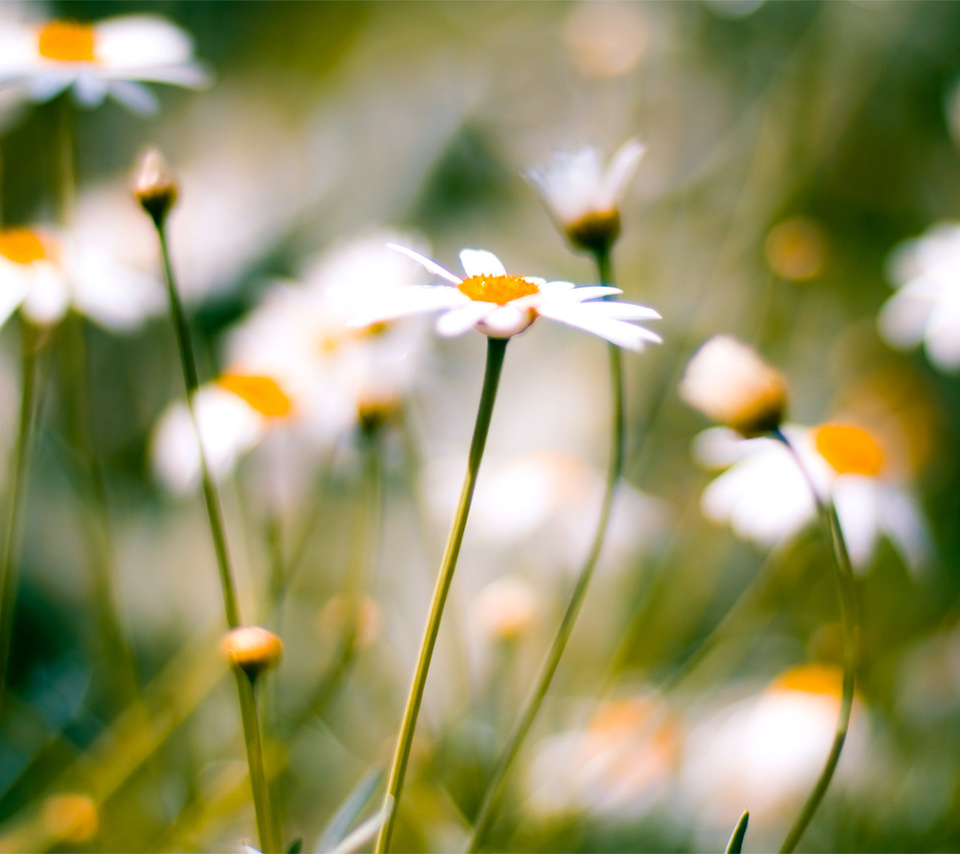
x=584 y=197
x=550 y=500
x=45 y=274
x=506 y=608
x=96 y=60
x=926 y=307
x=616 y=766
x=765 y=753
x=233 y=415
x=501 y=305
x=730 y=383
x=764 y=496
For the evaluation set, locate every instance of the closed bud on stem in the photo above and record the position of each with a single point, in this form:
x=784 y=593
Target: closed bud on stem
x=253 y=649
x=730 y=383
x=155 y=186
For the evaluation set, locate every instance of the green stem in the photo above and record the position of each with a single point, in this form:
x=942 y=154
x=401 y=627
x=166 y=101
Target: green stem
x=65 y=158
x=192 y=383
x=267 y=826
x=549 y=667
x=849 y=615
x=496 y=349
x=16 y=499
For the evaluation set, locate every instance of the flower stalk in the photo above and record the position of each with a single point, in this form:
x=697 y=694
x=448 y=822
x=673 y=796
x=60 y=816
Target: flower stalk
x=849 y=615
x=549 y=667
x=16 y=497
x=496 y=349
x=156 y=192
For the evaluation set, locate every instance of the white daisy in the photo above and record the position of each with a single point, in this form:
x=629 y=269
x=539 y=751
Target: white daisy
x=96 y=60
x=501 y=305
x=46 y=274
x=765 y=498
x=233 y=415
x=583 y=196
x=926 y=307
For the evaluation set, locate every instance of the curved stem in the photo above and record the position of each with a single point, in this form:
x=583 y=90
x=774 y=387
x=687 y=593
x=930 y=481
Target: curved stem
x=496 y=348
x=192 y=383
x=849 y=615
x=267 y=826
x=16 y=499
x=549 y=667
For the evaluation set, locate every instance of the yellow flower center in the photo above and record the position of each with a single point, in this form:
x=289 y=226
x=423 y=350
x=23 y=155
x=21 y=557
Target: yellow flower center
x=67 y=41
x=21 y=246
x=811 y=679
x=498 y=289
x=262 y=393
x=849 y=449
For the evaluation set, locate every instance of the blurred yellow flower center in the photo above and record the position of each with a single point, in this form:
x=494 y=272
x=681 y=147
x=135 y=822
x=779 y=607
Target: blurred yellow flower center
x=21 y=246
x=498 y=289
x=67 y=41
x=849 y=449
x=262 y=393
x=811 y=679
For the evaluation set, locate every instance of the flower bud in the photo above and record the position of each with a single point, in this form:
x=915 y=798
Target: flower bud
x=253 y=649
x=155 y=186
x=730 y=383
x=71 y=819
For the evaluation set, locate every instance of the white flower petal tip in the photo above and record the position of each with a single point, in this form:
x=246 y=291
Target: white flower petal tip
x=730 y=383
x=109 y=58
x=501 y=305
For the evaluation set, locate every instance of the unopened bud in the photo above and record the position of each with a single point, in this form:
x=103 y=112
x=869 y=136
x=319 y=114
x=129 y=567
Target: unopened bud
x=730 y=383
x=596 y=232
x=252 y=648
x=155 y=186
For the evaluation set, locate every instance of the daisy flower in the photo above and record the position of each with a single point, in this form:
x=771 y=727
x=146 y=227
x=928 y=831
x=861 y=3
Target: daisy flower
x=501 y=305
x=45 y=274
x=765 y=498
x=926 y=307
x=97 y=60
x=583 y=197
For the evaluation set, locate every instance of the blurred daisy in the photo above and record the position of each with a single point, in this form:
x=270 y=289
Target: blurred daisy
x=730 y=383
x=233 y=415
x=618 y=765
x=765 y=753
x=583 y=197
x=501 y=305
x=764 y=496
x=96 y=60
x=46 y=274
x=926 y=307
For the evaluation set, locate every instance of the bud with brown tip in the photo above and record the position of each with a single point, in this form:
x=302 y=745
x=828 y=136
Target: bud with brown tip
x=253 y=649
x=730 y=383
x=155 y=186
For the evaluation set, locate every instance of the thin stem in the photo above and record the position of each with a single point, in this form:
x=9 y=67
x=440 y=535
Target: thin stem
x=192 y=383
x=849 y=615
x=65 y=158
x=268 y=828
x=549 y=667
x=496 y=349
x=16 y=499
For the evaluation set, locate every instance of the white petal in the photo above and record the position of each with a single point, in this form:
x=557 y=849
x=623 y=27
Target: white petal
x=903 y=318
x=416 y=299
x=479 y=262
x=139 y=99
x=432 y=266
x=508 y=320
x=903 y=522
x=615 y=331
x=626 y=311
x=855 y=498
x=592 y=292
x=620 y=171
x=49 y=296
x=13 y=288
x=89 y=89
x=139 y=41
x=49 y=84
x=465 y=317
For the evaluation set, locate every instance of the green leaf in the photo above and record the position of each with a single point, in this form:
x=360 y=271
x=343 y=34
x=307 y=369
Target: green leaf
x=735 y=845
x=296 y=846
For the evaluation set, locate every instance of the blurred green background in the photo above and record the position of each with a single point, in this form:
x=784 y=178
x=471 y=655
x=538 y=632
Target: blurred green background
x=818 y=134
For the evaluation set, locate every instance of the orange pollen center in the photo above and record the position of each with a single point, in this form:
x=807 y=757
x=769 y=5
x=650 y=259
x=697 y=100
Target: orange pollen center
x=849 y=449
x=21 y=246
x=262 y=393
x=498 y=289
x=811 y=679
x=67 y=41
